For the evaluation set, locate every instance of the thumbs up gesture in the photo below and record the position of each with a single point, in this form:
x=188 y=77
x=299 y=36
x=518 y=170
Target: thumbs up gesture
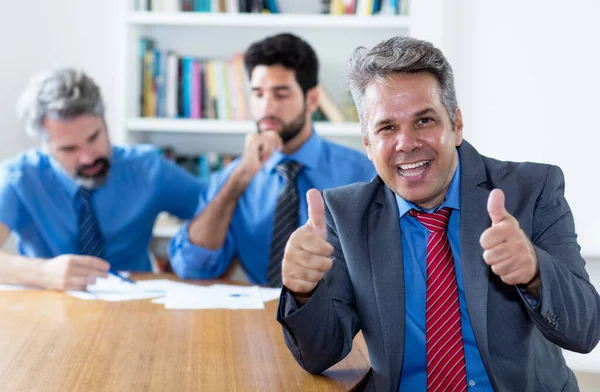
x=507 y=249
x=307 y=254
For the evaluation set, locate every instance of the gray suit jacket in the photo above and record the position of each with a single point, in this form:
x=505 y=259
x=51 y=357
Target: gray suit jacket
x=519 y=344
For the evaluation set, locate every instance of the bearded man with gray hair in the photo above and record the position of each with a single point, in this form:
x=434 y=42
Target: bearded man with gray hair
x=79 y=206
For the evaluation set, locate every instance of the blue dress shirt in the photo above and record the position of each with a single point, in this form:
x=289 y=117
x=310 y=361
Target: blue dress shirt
x=326 y=165
x=414 y=250
x=38 y=204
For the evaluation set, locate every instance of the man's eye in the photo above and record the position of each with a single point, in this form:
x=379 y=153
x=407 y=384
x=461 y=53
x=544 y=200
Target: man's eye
x=386 y=128
x=425 y=121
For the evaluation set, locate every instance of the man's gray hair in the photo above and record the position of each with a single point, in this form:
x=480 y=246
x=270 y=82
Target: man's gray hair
x=399 y=55
x=63 y=94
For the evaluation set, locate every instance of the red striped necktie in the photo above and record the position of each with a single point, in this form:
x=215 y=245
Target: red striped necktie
x=445 y=352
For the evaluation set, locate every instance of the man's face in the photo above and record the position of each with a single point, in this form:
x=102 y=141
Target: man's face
x=277 y=102
x=82 y=148
x=411 y=140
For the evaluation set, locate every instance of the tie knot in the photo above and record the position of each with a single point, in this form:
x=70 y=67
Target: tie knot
x=85 y=194
x=289 y=169
x=435 y=221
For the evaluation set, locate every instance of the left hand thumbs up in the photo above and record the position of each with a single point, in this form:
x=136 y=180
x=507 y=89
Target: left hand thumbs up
x=507 y=249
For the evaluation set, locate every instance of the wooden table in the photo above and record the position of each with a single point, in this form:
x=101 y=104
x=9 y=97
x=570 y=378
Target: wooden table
x=50 y=341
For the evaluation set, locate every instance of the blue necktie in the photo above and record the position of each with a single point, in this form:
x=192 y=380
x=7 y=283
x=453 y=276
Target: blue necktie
x=89 y=236
x=285 y=220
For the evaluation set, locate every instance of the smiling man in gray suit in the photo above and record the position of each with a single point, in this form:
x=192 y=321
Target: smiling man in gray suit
x=462 y=271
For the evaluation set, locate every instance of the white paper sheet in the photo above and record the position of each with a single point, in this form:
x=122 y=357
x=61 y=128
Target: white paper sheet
x=269 y=293
x=16 y=287
x=214 y=297
x=116 y=289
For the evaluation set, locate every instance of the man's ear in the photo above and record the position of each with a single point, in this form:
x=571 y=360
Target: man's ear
x=312 y=99
x=458 y=127
x=365 y=142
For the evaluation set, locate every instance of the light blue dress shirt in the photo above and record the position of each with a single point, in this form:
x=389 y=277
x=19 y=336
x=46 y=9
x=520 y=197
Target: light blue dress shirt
x=38 y=204
x=414 y=251
x=326 y=165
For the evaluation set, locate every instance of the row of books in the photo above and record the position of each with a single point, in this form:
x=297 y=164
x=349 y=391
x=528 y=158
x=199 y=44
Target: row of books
x=175 y=86
x=334 y=7
x=365 y=7
x=201 y=165
x=178 y=86
x=231 y=6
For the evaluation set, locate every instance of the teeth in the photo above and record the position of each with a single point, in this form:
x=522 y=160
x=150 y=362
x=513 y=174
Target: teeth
x=413 y=165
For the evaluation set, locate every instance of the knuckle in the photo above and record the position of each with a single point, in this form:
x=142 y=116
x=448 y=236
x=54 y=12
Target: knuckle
x=329 y=249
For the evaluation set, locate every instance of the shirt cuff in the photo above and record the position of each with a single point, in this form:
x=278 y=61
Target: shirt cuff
x=289 y=304
x=191 y=261
x=529 y=298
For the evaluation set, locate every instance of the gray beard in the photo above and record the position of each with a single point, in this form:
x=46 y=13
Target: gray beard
x=91 y=183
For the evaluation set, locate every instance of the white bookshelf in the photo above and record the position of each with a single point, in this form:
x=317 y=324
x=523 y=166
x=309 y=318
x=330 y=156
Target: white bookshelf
x=218 y=35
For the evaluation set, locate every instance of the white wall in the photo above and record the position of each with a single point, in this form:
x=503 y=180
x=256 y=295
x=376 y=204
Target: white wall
x=528 y=77
x=36 y=35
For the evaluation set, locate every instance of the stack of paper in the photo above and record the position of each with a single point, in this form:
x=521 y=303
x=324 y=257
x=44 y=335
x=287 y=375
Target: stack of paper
x=174 y=295
x=116 y=289
x=15 y=287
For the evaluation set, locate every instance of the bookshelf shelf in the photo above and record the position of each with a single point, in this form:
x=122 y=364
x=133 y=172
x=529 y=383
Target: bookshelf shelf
x=288 y=21
x=221 y=127
x=217 y=37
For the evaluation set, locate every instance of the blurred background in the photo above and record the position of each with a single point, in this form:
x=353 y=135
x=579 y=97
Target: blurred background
x=527 y=75
x=526 y=71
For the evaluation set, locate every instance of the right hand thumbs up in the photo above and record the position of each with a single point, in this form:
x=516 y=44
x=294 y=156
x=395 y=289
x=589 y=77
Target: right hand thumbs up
x=308 y=255
x=316 y=213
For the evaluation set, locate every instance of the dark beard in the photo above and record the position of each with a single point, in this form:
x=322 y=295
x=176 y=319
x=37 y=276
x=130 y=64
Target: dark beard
x=291 y=129
x=95 y=180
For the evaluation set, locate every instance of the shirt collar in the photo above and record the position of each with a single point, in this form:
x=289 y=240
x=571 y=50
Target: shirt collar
x=67 y=181
x=308 y=154
x=452 y=196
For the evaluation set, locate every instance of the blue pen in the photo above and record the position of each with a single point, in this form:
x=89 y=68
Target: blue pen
x=115 y=273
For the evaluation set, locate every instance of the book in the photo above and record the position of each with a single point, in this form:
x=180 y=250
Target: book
x=329 y=107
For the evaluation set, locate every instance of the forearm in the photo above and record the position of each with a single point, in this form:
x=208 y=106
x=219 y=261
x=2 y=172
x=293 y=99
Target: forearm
x=314 y=333
x=209 y=229
x=17 y=269
x=569 y=314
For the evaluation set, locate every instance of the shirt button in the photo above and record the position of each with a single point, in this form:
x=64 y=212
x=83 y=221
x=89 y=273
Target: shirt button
x=472 y=383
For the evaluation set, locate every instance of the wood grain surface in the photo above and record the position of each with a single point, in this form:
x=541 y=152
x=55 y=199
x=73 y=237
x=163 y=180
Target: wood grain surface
x=50 y=341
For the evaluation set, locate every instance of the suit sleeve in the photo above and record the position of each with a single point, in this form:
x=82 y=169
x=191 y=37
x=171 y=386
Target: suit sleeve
x=569 y=310
x=320 y=333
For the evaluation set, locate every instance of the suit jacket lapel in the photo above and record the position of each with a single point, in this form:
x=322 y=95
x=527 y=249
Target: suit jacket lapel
x=385 y=252
x=474 y=220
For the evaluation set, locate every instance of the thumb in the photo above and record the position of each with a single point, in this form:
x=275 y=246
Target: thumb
x=495 y=206
x=316 y=212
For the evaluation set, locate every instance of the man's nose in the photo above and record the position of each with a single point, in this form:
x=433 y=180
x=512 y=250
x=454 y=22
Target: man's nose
x=407 y=141
x=86 y=157
x=270 y=106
